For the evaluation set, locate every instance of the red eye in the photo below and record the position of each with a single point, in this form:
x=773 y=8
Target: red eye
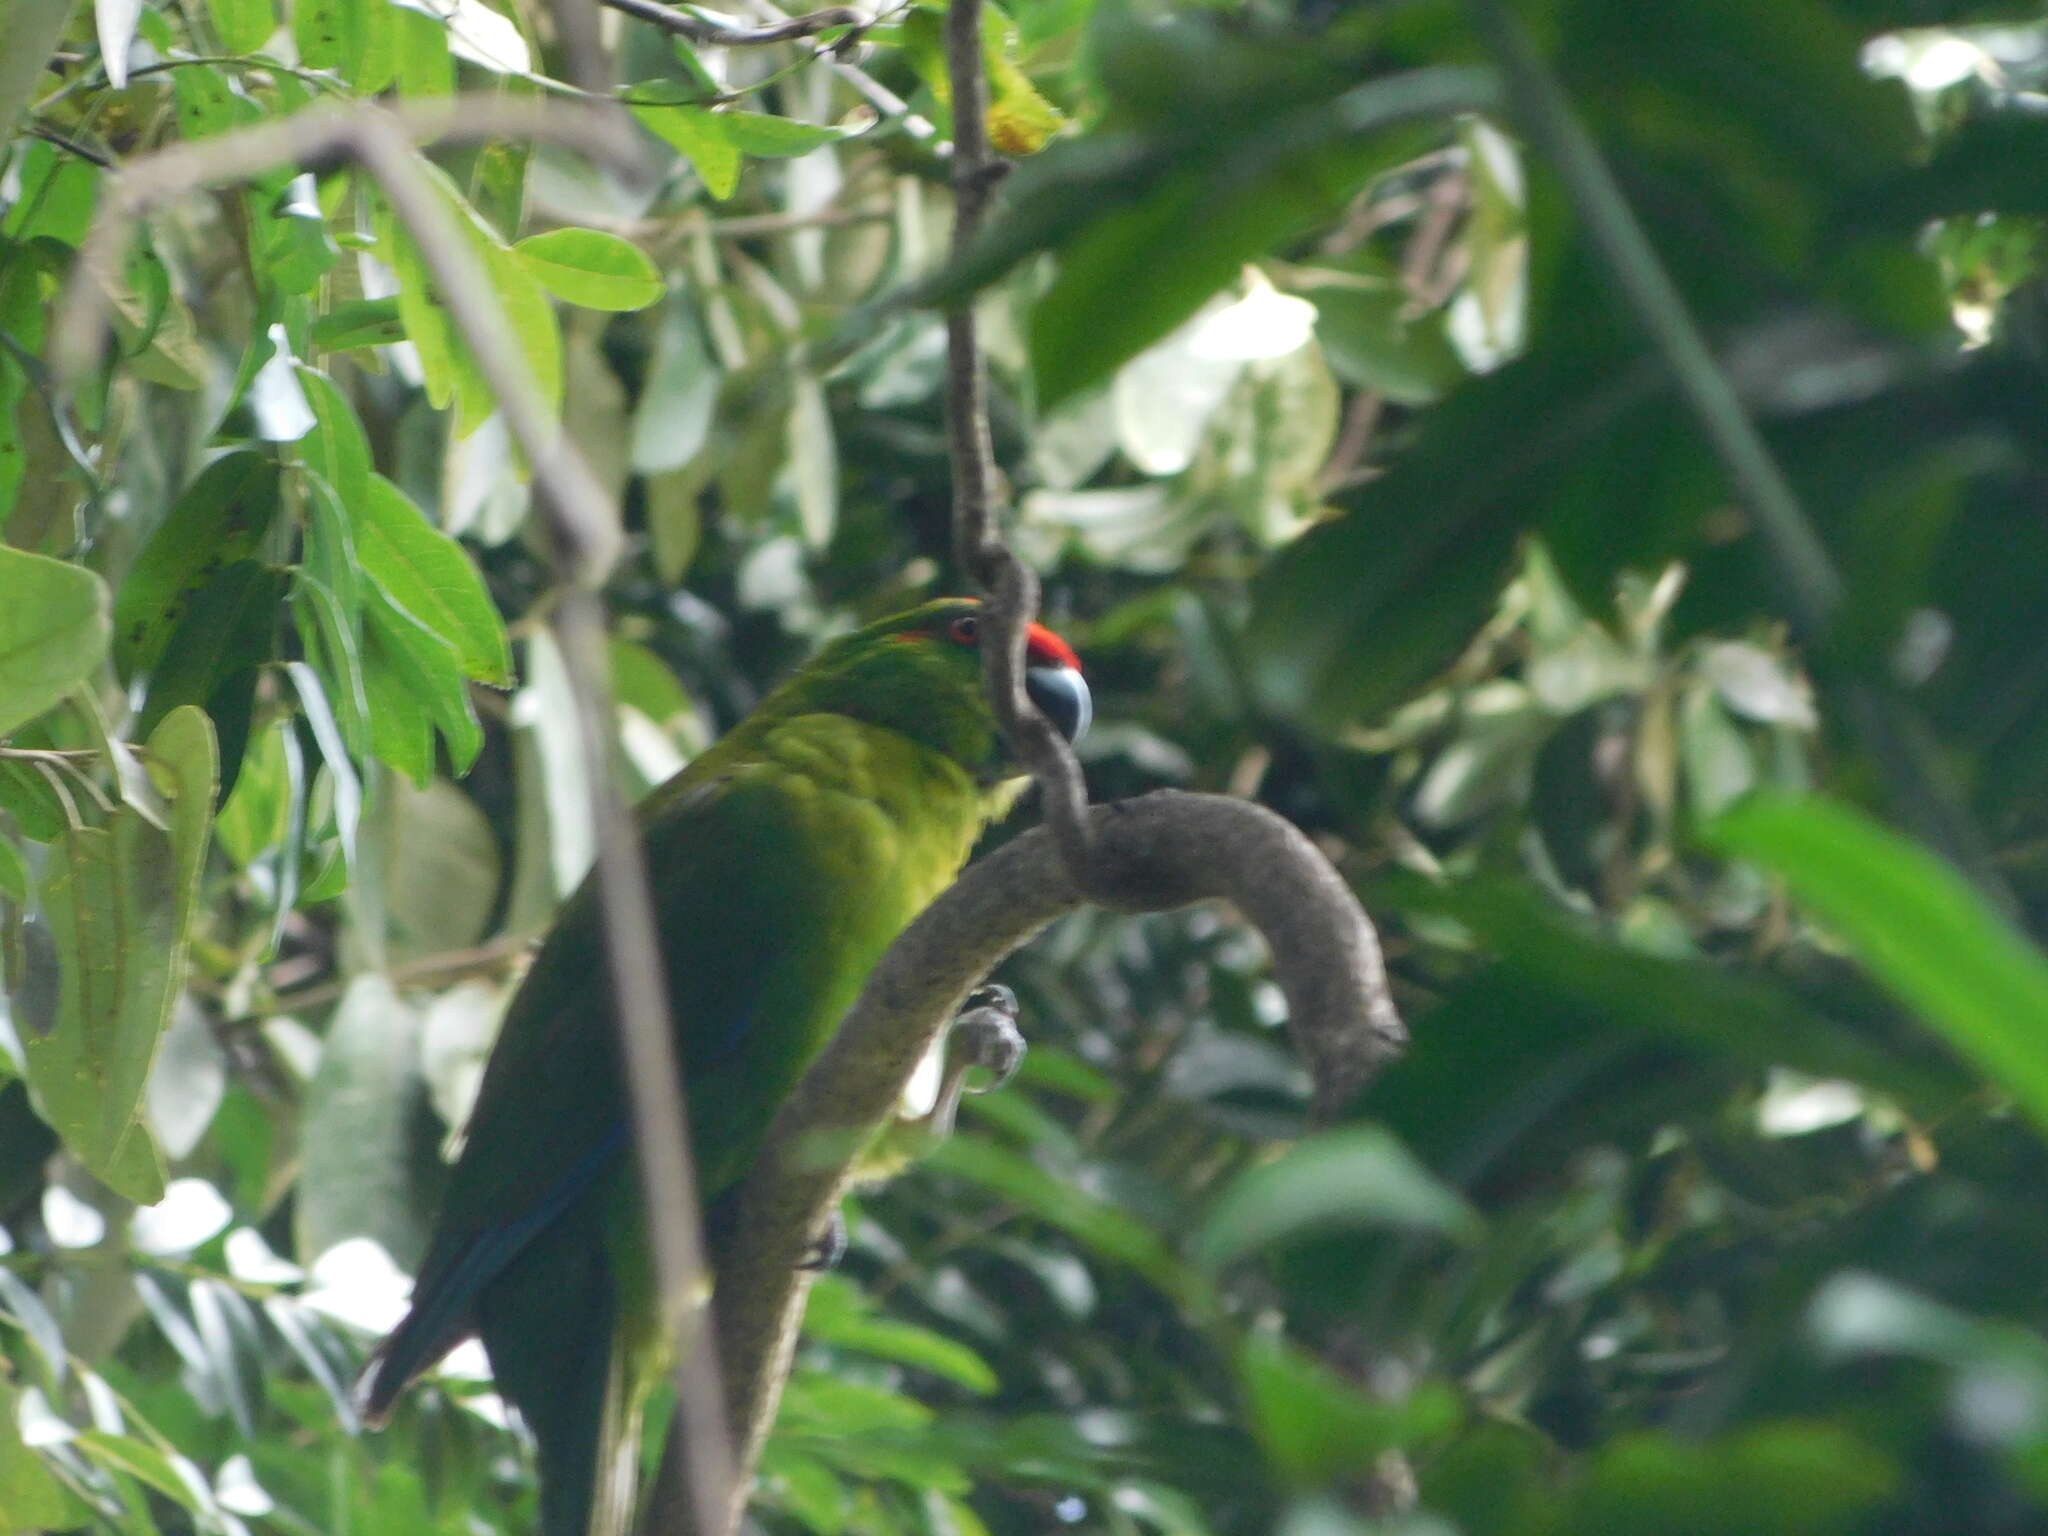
x=966 y=629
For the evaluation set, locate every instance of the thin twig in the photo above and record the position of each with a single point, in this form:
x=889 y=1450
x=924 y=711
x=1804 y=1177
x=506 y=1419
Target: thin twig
x=1440 y=208
x=50 y=135
x=450 y=965
x=725 y=35
x=978 y=545
x=1896 y=738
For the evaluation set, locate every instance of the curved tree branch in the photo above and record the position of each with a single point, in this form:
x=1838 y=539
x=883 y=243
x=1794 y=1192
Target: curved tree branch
x=1161 y=851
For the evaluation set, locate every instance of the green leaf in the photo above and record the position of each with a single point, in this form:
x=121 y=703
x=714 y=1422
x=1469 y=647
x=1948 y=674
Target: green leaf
x=1373 y=342
x=296 y=247
x=119 y=902
x=58 y=194
x=216 y=655
x=840 y=1314
x=404 y=658
x=1115 y=1234
x=1359 y=1176
x=337 y=448
x=451 y=373
x=361 y=1147
x=431 y=577
x=335 y=34
x=672 y=418
x=256 y=814
x=141 y=1460
x=704 y=137
x=1786 y=1477
x=426 y=321
x=1316 y=1426
x=328 y=588
x=348 y=788
x=54 y=629
x=28 y=793
x=641 y=679
x=1141 y=268
x=425 y=67
x=210 y=102
x=591 y=268
x=221 y=518
x=15 y=884
x=115 y=21
x=776 y=138
x=534 y=327
x=243 y=25
x=358 y=323
x=31 y=1497
x=1919 y=927
x=1694 y=1003
x=400 y=732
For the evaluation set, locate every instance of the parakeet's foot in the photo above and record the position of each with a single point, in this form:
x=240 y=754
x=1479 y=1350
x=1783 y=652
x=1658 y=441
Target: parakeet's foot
x=829 y=1247
x=986 y=1034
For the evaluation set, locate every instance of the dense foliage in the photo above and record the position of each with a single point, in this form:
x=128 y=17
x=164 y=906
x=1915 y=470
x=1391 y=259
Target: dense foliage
x=1707 y=1198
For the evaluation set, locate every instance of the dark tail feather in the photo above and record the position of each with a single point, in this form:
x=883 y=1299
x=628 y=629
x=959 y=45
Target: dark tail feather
x=410 y=1348
x=550 y=1323
x=442 y=1316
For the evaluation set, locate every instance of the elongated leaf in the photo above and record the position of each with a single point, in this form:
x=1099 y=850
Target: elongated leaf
x=15 y=884
x=1915 y=923
x=400 y=732
x=360 y=1141
x=115 y=21
x=217 y=652
x=591 y=268
x=28 y=793
x=54 y=629
x=243 y=25
x=1360 y=1176
x=348 y=788
x=839 y=1313
x=1315 y=1425
x=1144 y=267
x=221 y=518
x=451 y=373
x=766 y=137
x=432 y=578
x=425 y=65
x=359 y=323
x=139 y=1459
x=1115 y=1234
x=119 y=900
x=704 y=137
x=256 y=814
x=336 y=448
x=1686 y=1001
x=401 y=654
x=31 y=1497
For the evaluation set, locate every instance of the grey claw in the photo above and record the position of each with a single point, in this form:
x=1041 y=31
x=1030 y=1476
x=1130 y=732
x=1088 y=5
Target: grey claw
x=986 y=1034
x=829 y=1247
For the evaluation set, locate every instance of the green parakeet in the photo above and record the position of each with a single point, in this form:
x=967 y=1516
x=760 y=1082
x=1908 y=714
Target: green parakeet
x=784 y=861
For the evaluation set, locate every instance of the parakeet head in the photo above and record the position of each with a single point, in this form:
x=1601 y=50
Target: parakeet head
x=920 y=673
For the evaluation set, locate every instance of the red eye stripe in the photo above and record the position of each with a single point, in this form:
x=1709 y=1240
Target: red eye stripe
x=1041 y=646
